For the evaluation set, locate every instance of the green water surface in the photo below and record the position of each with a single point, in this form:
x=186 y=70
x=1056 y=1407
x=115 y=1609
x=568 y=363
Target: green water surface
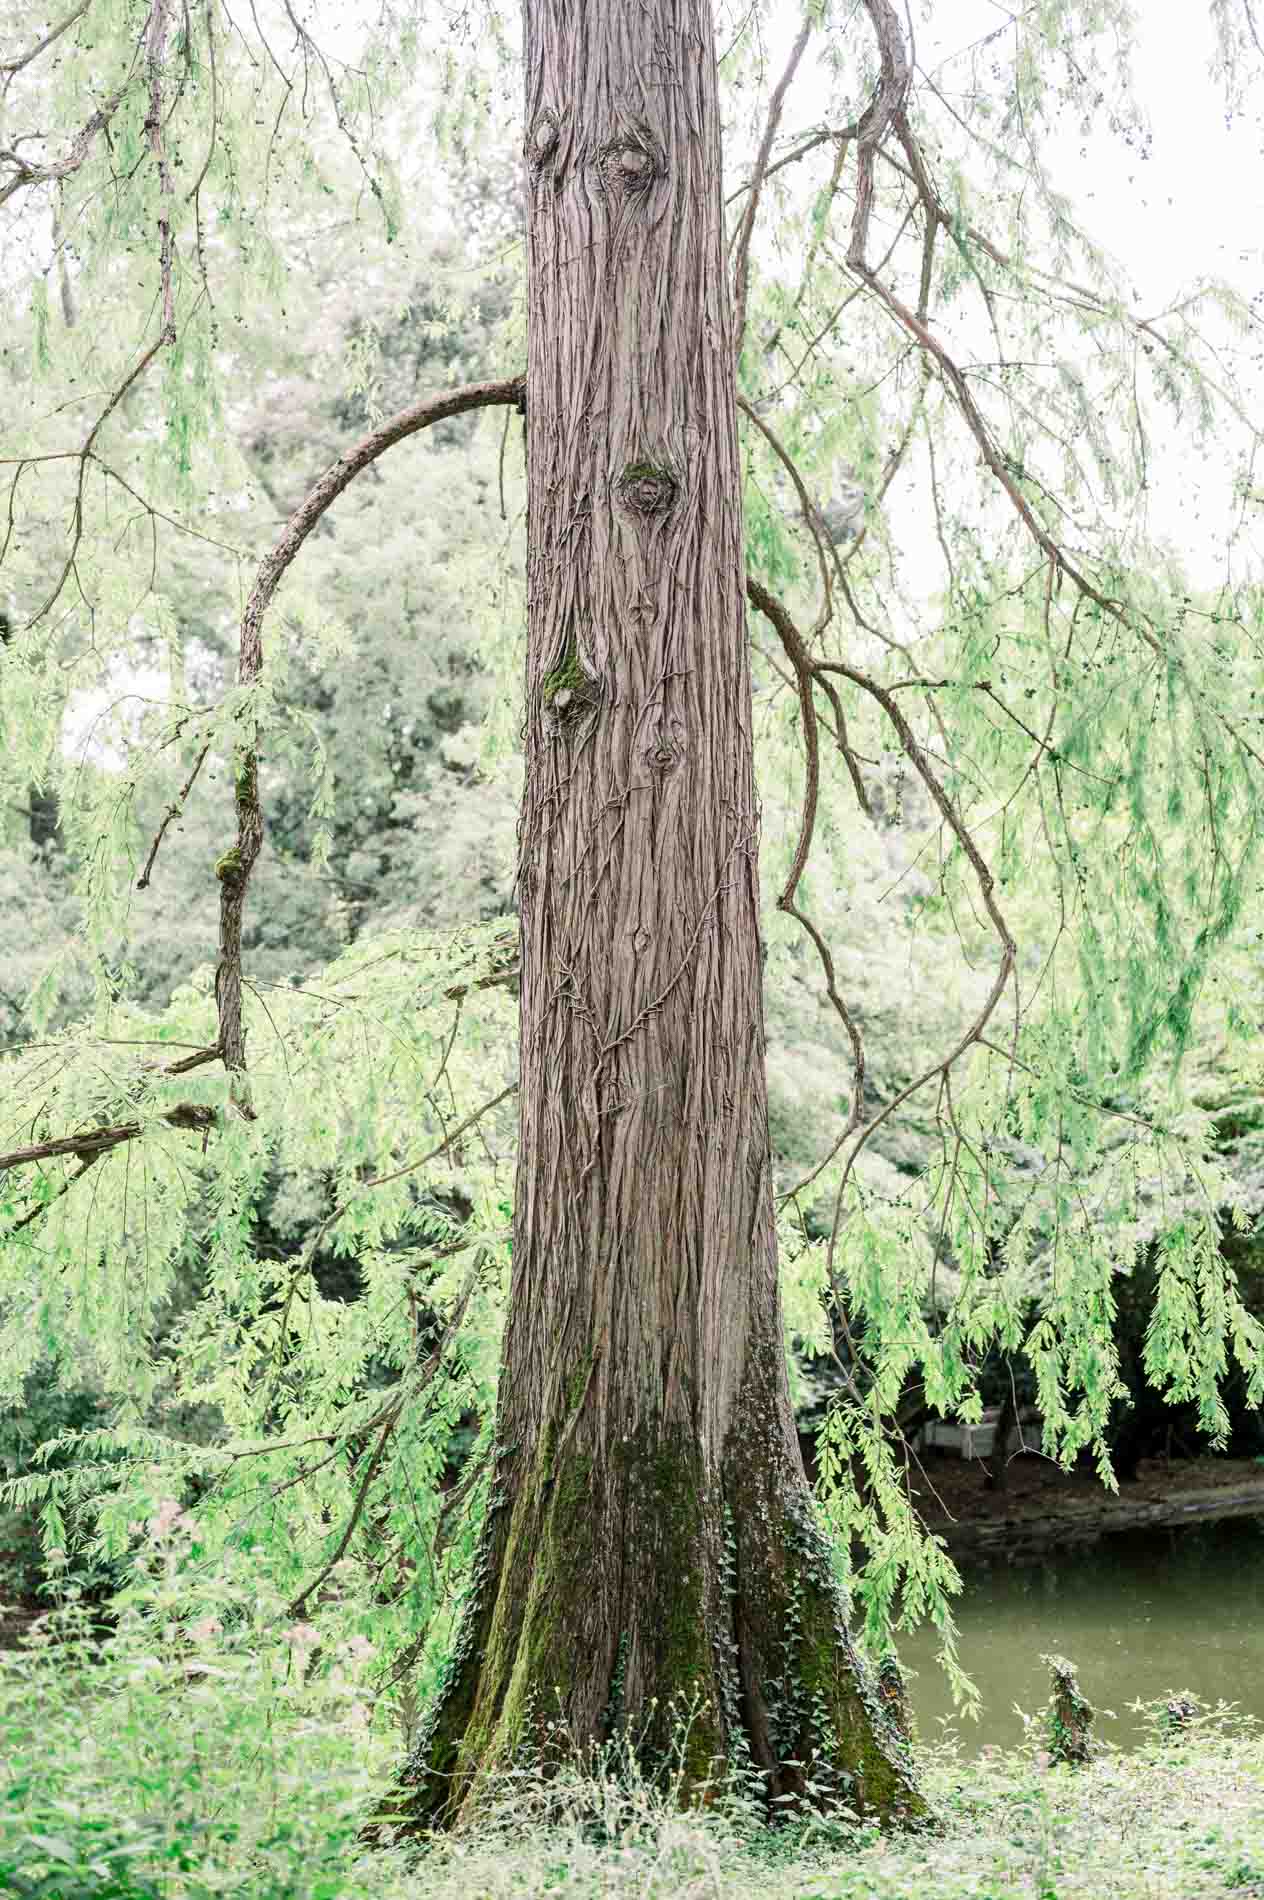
x=1141 y=1614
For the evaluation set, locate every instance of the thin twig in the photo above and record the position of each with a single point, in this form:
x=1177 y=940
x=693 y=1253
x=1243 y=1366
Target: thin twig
x=746 y=225
x=173 y=811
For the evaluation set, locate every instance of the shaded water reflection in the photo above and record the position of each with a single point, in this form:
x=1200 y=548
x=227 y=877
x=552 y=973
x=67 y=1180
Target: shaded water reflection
x=1141 y=1614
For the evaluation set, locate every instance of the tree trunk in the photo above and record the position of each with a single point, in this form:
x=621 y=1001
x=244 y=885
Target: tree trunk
x=43 y=813
x=996 y=1465
x=651 y=1564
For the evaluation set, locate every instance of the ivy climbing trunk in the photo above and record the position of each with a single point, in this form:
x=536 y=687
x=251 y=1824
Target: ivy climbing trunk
x=651 y=1563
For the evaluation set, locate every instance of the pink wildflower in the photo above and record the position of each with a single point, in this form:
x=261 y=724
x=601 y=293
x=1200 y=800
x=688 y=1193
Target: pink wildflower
x=168 y=1517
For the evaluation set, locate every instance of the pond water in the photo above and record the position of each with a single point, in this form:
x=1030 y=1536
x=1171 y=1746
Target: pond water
x=1141 y=1614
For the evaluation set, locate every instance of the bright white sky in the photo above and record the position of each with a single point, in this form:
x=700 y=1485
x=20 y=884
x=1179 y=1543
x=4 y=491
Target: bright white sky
x=1197 y=204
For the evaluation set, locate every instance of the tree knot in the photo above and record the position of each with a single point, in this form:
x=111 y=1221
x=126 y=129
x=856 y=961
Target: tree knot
x=663 y=754
x=542 y=139
x=568 y=690
x=646 y=490
x=627 y=166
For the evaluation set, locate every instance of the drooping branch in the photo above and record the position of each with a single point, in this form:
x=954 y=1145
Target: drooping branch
x=155 y=55
x=235 y=867
x=303 y=1265
x=983 y=876
x=409 y=1387
x=799 y=658
x=54 y=33
x=419 y=415
x=153 y=41
x=90 y=1145
x=888 y=113
x=790 y=638
x=20 y=173
x=807 y=508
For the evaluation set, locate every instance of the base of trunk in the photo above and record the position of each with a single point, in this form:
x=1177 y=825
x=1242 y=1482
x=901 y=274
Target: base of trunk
x=696 y=1626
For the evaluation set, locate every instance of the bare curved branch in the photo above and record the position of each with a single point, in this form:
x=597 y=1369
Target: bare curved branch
x=809 y=668
x=797 y=653
x=234 y=868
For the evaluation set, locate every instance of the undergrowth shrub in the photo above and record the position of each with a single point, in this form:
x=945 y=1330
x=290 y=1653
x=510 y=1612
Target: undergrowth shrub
x=157 y=1754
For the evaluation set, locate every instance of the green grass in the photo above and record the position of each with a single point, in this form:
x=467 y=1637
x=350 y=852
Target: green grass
x=125 y=1787
x=233 y=1755
x=1177 y=1821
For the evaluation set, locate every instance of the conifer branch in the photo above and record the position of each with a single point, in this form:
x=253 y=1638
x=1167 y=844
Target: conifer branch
x=155 y=55
x=92 y=1143
x=887 y=112
x=14 y=66
x=151 y=36
x=21 y=174
x=153 y=40
x=389 y=1417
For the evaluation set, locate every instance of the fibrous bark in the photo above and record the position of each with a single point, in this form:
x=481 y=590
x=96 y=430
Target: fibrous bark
x=651 y=1564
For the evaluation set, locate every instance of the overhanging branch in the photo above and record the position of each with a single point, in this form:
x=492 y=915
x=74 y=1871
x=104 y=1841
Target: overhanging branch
x=807 y=669
x=90 y=1143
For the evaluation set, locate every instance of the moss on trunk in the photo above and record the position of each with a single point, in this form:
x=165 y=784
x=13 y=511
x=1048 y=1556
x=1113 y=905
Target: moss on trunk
x=696 y=1623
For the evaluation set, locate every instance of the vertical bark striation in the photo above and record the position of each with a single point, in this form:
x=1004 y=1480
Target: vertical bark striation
x=651 y=1546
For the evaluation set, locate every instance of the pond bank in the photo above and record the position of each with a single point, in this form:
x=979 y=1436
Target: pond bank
x=1045 y=1508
